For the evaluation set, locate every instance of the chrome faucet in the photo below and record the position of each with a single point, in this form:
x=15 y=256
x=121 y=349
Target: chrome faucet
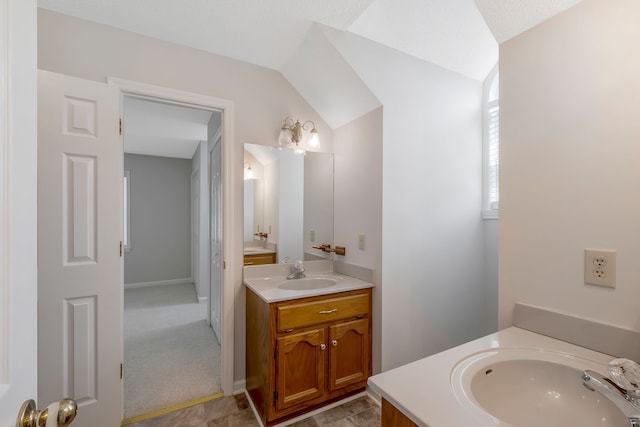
x=622 y=389
x=297 y=271
x=618 y=396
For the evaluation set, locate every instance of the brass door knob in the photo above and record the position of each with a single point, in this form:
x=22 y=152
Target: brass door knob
x=64 y=412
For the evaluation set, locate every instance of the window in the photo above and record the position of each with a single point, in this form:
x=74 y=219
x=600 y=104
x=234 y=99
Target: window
x=126 y=214
x=491 y=146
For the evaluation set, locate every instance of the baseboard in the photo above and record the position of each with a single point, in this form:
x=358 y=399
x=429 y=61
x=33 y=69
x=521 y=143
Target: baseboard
x=256 y=415
x=320 y=410
x=374 y=396
x=158 y=283
x=239 y=387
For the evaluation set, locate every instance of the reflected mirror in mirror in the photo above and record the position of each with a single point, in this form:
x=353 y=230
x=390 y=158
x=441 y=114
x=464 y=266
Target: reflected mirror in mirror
x=288 y=204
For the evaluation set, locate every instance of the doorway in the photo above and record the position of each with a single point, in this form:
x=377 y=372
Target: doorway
x=224 y=111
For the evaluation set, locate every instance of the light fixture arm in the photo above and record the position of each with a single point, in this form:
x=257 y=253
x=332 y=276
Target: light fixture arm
x=294 y=130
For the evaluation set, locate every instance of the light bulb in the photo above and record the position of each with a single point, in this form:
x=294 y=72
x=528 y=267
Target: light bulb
x=249 y=173
x=285 y=136
x=314 y=139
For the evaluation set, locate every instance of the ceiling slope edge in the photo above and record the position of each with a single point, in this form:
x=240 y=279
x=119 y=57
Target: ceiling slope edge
x=327 y=81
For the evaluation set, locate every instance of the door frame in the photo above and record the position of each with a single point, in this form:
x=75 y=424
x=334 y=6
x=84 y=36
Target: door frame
x=194 y=100
x=18 y=206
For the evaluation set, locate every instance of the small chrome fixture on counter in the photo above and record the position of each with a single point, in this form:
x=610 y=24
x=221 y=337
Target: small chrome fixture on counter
x=297 y=271
x=622 y=389
x=338 y=250
x=291 y=133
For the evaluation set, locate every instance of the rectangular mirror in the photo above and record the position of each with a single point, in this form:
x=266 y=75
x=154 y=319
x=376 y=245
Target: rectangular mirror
x=288 y=204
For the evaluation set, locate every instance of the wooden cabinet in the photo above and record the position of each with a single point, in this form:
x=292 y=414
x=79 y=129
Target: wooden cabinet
x=305 y=352
x=257 y=259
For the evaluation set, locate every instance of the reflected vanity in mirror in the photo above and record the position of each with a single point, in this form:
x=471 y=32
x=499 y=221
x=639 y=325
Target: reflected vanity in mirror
x=288 y=204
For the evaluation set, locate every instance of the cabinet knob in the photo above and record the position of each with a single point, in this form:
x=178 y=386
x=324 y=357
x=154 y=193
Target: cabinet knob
x=323 y=347
x=334 y=343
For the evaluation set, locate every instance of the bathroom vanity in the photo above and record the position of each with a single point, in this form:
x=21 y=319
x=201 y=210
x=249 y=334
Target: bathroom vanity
x=306 y=346
x=510 y=378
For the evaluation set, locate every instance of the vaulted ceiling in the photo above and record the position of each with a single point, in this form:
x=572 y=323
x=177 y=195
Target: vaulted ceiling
x=459 y=35
x=290 y=36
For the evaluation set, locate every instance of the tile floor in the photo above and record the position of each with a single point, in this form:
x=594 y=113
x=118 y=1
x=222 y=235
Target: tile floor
x=235 y=412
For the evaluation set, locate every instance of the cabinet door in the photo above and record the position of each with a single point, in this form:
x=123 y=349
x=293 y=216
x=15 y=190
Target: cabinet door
x=300 y=367
x=350 y=353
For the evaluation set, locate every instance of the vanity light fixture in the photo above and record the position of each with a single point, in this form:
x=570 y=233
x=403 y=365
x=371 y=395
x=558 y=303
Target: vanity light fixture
x=291 y=133
x=248 y=172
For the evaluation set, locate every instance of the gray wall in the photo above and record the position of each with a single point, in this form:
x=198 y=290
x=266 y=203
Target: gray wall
x=160 y=219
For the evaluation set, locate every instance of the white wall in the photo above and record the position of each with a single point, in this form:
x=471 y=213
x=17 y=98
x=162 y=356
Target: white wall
x=319 y=212
x=433 y=288
x=272 y=201
x=570 y=157
x=358 y=203
x=291 y=205
x=18 y=196
x=253 y=198
x=249 y=209
x=200 y=164
x=262 y=97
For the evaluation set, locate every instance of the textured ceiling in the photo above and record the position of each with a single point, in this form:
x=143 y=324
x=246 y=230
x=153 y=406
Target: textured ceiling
x=508 y=18
x=449 y=33
x=261 y=32
x=459 y=35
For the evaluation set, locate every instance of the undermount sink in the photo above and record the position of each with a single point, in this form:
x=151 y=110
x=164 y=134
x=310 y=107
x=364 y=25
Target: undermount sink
x=307 y=283
x=532 y=388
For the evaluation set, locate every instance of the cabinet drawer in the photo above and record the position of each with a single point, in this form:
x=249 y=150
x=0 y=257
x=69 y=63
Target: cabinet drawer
x=304 y=314
x=258 y=259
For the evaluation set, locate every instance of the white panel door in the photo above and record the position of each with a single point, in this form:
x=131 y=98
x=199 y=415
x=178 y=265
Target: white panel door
x=195 y=230
x=215 y=168
x=80 y=268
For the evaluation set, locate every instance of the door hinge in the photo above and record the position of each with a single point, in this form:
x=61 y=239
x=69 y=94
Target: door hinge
x=121 y=370
x=120 y=126
x=275 y=396
x=121 y=248
x=224 y=265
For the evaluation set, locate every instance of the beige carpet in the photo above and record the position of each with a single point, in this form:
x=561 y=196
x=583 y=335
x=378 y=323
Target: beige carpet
x=171 y=355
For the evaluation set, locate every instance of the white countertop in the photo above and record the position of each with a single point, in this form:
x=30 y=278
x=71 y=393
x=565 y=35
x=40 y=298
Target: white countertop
x=256 y=250
x=422 y=390
x=263 y=280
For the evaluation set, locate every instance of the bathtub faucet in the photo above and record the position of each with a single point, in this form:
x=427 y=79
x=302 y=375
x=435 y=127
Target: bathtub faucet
x=297 y=271
x=625 y=400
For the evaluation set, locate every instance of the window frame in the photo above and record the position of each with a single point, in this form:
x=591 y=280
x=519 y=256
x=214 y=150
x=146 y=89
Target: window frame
x=490 y=209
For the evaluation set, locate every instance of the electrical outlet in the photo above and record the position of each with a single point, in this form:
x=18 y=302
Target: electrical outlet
x=600 y=267
x=361 y=242
x=312 y=235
